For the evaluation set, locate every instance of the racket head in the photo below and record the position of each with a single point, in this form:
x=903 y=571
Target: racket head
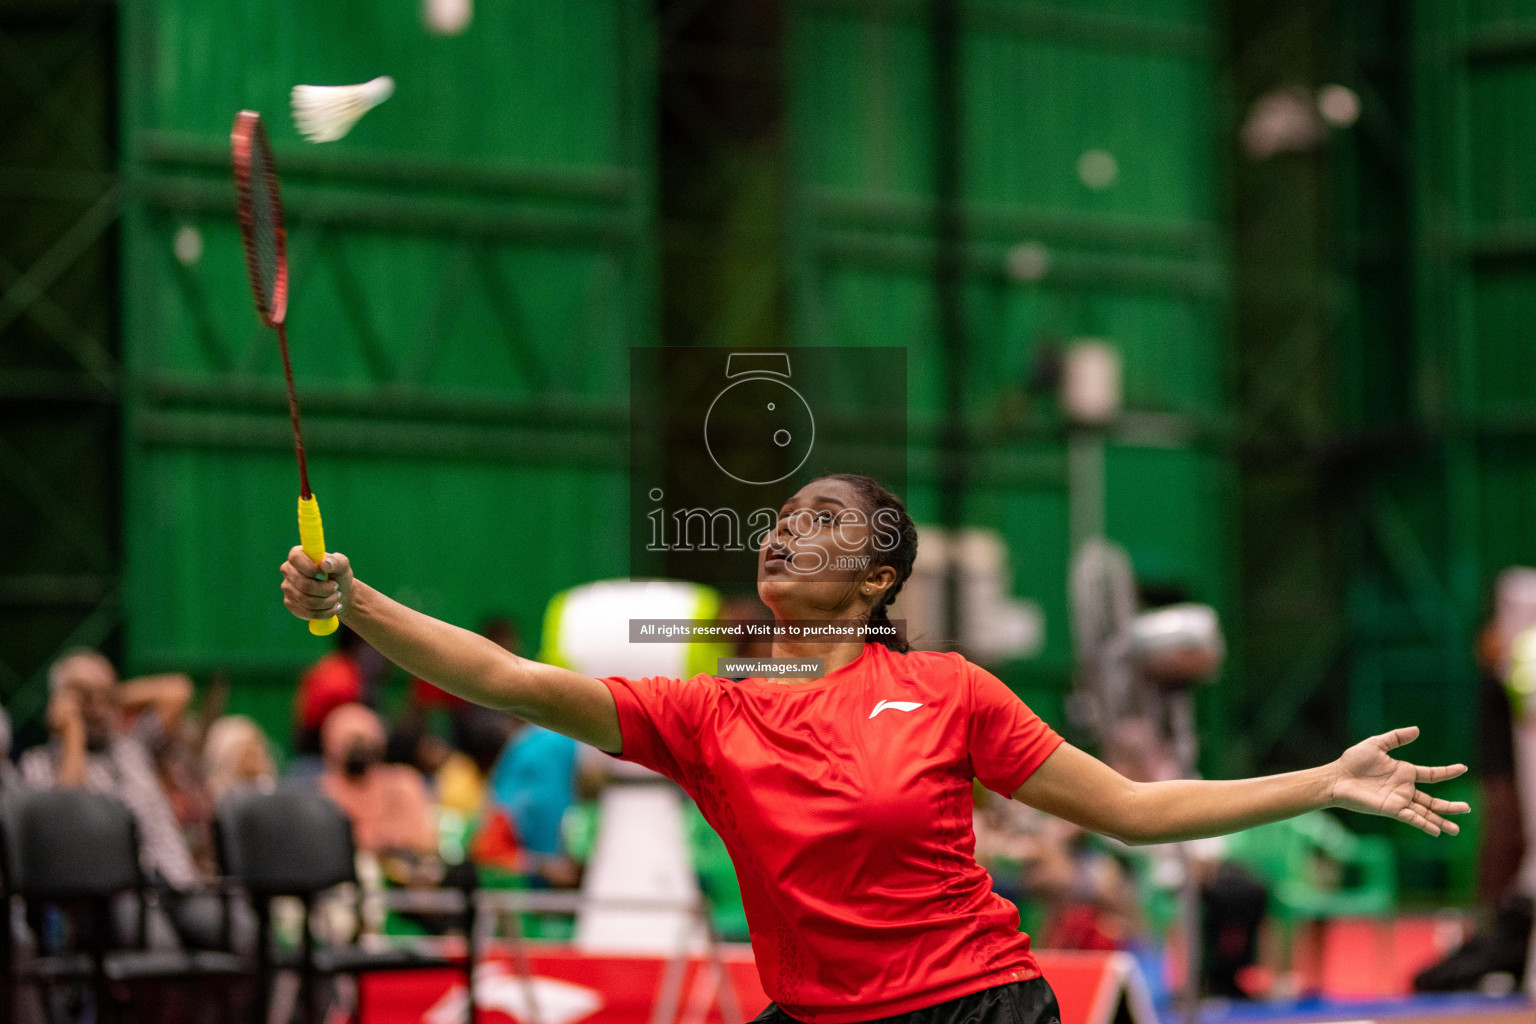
x=260 y=209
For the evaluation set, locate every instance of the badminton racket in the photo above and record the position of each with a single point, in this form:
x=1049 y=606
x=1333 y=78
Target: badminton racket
x=260 y=208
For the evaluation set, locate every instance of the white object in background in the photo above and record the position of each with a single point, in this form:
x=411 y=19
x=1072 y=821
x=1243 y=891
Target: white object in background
x=188 y=245
x=1339 y=105
x=586 y=629
x=325 y=113
x=447 y=17
x=1090 y=382
x=1180 y=644
x=1029 y=262
x=641 y=854
x=1520 y=683
x=1283 y=120
x=994 y=625
x=551 y=1000
x=1098 y=169
x=1514 y=612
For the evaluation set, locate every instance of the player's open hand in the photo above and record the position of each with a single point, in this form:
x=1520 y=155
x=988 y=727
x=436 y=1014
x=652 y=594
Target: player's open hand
x=316 y=591
x=1370 y=780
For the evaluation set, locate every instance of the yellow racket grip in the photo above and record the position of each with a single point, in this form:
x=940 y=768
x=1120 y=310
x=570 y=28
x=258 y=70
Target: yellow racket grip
x=312 y=540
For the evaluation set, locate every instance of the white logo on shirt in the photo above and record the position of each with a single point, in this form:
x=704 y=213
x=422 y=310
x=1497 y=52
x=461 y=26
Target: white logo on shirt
x=899 y=705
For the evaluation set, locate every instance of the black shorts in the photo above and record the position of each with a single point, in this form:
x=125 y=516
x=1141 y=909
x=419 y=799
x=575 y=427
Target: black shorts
x=1019 y=1002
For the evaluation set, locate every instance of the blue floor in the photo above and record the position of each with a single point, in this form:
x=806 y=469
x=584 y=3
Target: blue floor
x=1351 y=1009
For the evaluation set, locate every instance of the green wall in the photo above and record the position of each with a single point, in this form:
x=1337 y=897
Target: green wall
x=1341 y=462
x=469 y=267
x=470 y=263
x=1032 y=87
x=59 y=351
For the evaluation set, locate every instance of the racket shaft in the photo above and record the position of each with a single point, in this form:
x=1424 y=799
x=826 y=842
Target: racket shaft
x=312 y=539
x=293 y=414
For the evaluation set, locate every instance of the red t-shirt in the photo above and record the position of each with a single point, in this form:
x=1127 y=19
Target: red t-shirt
x=426 y=695
x=332 y=681
x=846 y=807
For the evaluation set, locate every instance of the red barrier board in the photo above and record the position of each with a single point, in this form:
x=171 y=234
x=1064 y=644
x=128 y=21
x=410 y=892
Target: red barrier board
x=1091 y=985
x=569 y=987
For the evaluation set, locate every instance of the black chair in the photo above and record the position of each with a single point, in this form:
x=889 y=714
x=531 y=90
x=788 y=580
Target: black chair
x=297 y=843
x=77 y=851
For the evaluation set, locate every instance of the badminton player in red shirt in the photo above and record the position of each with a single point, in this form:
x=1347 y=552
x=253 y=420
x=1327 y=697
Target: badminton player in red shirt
x=845 y=800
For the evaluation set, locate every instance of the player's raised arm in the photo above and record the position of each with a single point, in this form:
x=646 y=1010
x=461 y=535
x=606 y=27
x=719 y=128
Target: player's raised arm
x=455 y=659
x=1081 y=789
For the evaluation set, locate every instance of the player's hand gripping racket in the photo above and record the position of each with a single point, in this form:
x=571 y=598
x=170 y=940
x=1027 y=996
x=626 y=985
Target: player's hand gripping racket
x=266 y=258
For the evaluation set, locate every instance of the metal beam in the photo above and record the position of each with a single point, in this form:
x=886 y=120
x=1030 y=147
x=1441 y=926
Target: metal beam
x=28 y=699
x=396 y=402
x=840 y=209
x=338 y=207
x=85 y=232
x=1512 y=41
x=1197 y=278
x=53 y=184
x=62 y=515
x=88 y=350
x=1045 y=21
x=54 y=589
x=601 y=449
x=1510 y=241
x=169 y=152
x=56 y=387
x=1299 y=681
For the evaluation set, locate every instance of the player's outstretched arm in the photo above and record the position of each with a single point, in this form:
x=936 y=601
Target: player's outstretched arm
x=1081 y=789
x=455 y=659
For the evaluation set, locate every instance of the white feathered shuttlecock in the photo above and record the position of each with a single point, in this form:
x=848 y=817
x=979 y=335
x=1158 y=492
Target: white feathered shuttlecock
x=324 y=113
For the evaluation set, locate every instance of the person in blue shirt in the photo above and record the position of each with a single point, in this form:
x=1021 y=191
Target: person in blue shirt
x=534 y=782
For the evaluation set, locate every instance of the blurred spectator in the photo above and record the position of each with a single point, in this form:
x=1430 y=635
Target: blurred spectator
x=1500 y=943
x=1505 y=837
x=1501 y=841
x=388 y=804
x=105 y=736
x=425 y=697
x=480 y=734
x=9 y=777
x=459 y=772
x=179 y=767
x=1007 y=840
x=1232 y=900
x=411 y=745
x=1088 y=898
x=533 y=782
x=102 y=732
x=1519 y=911
x=236 y=754
x=347 y=675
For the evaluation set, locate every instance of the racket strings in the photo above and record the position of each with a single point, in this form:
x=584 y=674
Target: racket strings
x=265 y=222
x=262 y=236
x=261 y=217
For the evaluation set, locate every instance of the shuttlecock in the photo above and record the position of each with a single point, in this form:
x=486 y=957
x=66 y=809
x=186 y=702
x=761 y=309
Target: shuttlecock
x=324 y=113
